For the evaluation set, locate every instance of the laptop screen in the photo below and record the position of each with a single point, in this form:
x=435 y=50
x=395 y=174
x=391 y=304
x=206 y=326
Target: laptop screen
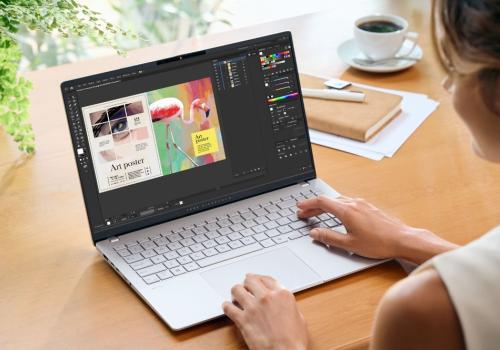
x=169 y=138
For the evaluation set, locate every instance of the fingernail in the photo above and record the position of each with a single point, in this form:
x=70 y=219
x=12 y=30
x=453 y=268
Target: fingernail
x=314 y=233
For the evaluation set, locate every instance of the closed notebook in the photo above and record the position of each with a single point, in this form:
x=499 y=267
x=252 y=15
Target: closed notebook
x=358 y=121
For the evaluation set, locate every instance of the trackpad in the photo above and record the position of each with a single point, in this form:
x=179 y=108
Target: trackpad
x=282 y=264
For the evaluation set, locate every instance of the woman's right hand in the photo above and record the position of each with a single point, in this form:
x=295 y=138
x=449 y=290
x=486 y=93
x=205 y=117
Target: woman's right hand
x=371 y=232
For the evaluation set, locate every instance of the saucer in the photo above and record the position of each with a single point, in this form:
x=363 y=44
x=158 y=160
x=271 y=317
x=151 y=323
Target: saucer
x=348 y=50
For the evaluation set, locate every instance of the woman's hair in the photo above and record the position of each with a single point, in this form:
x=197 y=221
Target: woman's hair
x=467 y=37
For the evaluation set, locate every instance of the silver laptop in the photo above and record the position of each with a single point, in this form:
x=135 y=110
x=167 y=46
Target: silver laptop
x=191 y=168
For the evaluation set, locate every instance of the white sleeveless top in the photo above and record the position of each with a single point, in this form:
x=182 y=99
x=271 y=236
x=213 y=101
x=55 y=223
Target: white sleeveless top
x=472 y=276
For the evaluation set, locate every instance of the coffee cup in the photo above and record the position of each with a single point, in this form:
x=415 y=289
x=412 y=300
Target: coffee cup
x=381 y=36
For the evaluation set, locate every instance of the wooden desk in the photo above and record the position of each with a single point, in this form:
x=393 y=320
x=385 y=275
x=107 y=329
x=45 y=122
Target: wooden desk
x=55 y=290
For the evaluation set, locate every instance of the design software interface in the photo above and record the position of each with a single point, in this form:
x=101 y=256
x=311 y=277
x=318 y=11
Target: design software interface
x=185 y=131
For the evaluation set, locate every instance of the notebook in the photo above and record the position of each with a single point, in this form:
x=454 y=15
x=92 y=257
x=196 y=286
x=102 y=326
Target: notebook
x=354 y=120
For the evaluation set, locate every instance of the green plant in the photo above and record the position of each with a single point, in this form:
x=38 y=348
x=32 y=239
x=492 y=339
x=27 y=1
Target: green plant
x=66 y=18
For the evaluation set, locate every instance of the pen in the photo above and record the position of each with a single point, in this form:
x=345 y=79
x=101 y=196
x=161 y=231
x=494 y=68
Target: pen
x=327 y=94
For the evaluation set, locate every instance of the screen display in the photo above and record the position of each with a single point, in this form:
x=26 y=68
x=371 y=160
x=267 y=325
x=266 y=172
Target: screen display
x=176 y=136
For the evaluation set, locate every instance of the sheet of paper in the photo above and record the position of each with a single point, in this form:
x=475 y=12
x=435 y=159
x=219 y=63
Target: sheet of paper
x=415 y=109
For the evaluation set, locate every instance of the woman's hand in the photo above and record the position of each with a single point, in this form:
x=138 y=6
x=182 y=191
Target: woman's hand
x=371 y=232
x=266 y=315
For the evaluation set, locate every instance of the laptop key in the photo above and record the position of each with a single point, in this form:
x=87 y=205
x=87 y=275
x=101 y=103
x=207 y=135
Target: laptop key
x=184 y=260
x=148 y=253
x=186 y=242
x=259 y=228
x=261 y=219
x=298 y=224
x=186 y=234
x=178 y=270
x=210 y=252
x=259 y=236
x=174 y=246
x=285 y=212
x=271 y=224
x=273 y=216
x=174 y=237
x=184 y=251
x=247 y=232
x=272 y=233
x=224 y=223
x=237 y=227
x=135 y=249
x=150 y=270
x=191 y=266
x=283 y=221
x=148 y=245
x=222 y=248
x=161 y=250
x=222 y=239
x=229 y=255
x=287 y=204
x=323 y=217
x=164 y=274
x=212 y=235
x=212 y=226
x=124 y=252
x=249 y=223
x=280 y=239
x=284 y=229
x=224 y=231
x=294 y=235
x=171 y=255
x=247 y=240
x=210 y=243
x=158 y=259
x=267 y=243
x=235 y=244
x=260 y=212
x=236 y=219
x=141 y=264
x=161 y=241
x=200 y=238
x=132 y=258
x=234 y=236
x=197 y=247
x=199 y=230
x=197 y=256
x=151 y=279
x=171 y=264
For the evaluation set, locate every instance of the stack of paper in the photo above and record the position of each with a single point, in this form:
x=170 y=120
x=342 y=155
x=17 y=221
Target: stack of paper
x=415 y=109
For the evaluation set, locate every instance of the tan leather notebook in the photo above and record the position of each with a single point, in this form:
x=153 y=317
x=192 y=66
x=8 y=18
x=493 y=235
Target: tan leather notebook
x=359 y=121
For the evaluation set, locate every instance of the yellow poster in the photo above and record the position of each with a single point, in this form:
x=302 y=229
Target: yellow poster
x=205 y=142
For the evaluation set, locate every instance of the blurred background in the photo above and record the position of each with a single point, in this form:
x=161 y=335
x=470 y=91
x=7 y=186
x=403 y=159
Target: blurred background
x=157 y=21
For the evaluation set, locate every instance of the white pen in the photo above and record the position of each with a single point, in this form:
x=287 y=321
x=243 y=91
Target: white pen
x=327 y=94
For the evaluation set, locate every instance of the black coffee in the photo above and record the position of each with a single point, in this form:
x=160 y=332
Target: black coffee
x=379 y=26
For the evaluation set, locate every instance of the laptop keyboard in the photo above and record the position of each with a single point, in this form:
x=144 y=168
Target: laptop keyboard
x=221 y=238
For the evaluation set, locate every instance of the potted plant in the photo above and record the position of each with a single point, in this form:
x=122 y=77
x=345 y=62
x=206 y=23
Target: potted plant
x=66 y=18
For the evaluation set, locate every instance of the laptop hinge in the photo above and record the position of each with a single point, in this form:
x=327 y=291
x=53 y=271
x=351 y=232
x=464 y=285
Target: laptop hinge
x=304 y=184
x=113 y=239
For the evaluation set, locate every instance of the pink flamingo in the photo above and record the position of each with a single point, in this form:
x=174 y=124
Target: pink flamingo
x=169 y=108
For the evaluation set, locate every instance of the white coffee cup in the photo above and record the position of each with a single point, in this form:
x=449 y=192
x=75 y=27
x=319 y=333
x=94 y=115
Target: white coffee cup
x=379 y=46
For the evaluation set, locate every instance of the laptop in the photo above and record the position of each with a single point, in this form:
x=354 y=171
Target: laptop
x=191 y=168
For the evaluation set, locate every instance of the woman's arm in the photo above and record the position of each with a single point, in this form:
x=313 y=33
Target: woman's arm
x=371 y=232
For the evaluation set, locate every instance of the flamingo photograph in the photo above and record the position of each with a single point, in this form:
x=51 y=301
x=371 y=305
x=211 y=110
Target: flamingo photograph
x=179 y=113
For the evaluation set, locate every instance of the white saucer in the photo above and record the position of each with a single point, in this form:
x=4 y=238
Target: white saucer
x=348 y=50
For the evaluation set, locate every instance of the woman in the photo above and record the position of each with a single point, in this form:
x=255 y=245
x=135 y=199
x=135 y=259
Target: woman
x=458 y=289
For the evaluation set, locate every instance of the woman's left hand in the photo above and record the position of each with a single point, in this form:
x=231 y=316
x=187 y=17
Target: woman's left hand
x=266 y=315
